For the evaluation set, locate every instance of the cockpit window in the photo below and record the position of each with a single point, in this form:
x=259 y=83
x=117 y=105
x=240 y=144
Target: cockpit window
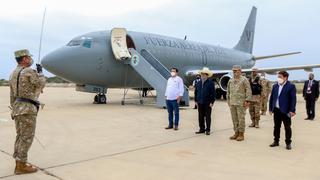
x=84 y=41
x=74 y=43
x=87 y=43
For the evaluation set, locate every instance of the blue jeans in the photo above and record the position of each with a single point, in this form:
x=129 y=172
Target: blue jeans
x=172 y=106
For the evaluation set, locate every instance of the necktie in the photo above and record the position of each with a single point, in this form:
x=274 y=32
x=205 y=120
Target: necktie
x=309 y=87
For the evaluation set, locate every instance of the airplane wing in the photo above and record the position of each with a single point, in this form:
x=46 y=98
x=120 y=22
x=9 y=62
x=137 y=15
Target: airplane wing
x=274 y=70
x=307 y=68
x=223 y=76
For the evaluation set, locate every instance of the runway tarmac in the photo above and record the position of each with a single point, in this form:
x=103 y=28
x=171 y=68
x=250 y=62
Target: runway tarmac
x=85 y=141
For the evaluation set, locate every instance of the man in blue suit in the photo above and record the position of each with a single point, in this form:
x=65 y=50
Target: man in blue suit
x=204 y=96
x=282 y=105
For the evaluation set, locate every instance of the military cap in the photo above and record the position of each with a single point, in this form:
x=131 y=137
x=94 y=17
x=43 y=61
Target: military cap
x=21 y=53
x=254 y=69
x=236 y=67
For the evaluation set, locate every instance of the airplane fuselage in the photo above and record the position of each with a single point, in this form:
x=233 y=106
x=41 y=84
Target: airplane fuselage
x=88 y=59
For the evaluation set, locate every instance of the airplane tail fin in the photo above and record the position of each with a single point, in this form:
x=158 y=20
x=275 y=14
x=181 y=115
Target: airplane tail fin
x=245 y=43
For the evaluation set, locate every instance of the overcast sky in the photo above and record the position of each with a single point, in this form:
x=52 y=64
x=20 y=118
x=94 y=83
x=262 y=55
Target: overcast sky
x=282 y=26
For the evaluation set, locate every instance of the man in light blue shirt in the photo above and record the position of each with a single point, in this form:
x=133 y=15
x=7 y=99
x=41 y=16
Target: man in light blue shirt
x=174 y=93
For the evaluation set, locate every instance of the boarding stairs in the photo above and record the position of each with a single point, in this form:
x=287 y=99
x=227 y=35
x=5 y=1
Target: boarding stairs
x=155 y=73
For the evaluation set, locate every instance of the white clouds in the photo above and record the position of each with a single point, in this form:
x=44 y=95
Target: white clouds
x=17 y=9
x=282 y=26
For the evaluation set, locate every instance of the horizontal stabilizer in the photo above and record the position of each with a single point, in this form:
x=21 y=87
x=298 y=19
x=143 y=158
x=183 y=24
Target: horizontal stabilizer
x=273 y=56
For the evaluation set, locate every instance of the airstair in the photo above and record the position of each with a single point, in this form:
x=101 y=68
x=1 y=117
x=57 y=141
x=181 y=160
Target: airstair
x=145 y=64
x=154 y=73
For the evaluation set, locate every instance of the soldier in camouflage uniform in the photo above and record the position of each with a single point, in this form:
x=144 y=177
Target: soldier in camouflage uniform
x=255 y=104
x=238 y=96
x=266 y=89
x=26 y=85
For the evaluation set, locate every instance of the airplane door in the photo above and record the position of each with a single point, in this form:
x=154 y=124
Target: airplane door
x=119 y=44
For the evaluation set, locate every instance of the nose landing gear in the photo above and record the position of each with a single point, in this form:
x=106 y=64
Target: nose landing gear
x=100 y=99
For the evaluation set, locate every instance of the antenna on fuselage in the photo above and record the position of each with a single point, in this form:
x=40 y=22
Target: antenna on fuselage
x=41 y=34
x=185 y=37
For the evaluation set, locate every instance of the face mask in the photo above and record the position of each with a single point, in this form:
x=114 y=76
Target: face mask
x=262 y=77
x=173 y=74
x=280 y=81
x=310 y=78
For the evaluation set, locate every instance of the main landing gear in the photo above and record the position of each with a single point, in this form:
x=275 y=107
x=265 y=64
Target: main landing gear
x=100 y=99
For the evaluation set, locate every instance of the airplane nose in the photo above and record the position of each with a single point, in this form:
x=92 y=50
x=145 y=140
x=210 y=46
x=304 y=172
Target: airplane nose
x=55 y=62
x=47 y=62
x=72 y=64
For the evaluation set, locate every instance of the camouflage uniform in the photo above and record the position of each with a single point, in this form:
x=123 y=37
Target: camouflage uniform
x=255 y=105
x=24 y=113
x=266 y=89
x=238 y=92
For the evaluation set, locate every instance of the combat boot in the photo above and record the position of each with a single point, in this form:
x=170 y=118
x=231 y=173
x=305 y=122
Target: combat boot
x=240 y=136
x=24 y=168
x=252 y=124
x=257 y=124
x=234 y=137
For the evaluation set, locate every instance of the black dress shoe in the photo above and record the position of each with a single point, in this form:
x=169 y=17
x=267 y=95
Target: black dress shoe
x=175 y=128
x=169 y=127
x=311 y=119
x=207 y=132
x=288 y=147
x=200 y=132
x=274 y=144
x=307 y=118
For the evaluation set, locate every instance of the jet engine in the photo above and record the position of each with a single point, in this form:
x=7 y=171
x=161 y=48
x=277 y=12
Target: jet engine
x=223 y=82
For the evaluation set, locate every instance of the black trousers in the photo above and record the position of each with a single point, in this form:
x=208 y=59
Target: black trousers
x=310 y=105
x=204 y=117
x=278 y=118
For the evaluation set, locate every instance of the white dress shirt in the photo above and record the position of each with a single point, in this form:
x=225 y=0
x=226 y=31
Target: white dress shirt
x=175 y=88
x=279 y=92
x=309 y=86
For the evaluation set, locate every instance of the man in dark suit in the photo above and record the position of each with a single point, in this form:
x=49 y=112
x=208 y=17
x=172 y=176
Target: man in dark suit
x=311 y=95
x=282 y=105
x=204 y=96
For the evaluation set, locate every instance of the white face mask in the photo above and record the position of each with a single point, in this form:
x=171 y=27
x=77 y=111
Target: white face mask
x=173 y=74
x=280 y=81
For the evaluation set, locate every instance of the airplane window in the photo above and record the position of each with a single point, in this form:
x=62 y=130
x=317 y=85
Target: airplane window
x=84 y=41
x=74 y=43
x=87 y=43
